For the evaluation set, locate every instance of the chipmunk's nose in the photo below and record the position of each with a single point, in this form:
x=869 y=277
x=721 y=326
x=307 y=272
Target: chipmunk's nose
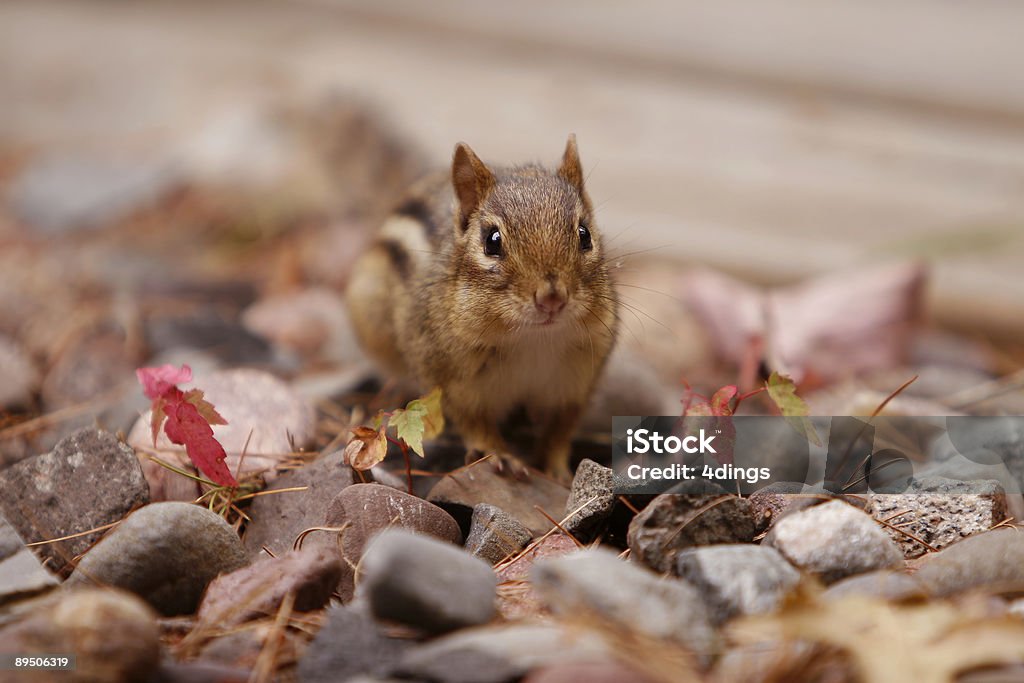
x=551 y=298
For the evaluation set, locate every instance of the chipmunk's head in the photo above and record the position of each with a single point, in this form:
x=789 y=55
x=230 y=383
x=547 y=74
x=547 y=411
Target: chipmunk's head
x=528 y=252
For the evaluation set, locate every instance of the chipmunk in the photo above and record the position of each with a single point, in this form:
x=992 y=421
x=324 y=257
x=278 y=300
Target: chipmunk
x=493 y=284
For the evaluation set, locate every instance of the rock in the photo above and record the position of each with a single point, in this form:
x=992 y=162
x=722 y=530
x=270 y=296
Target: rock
x=425 y=583
x=591 y=499
x=494 y=535
x=240 y=649
x=459 y=493
x=257 y=590
x=596 y=584
x=167 y=553
x=266 y=419
x=516 y=596
x=213 y=331
x=884 y=584
x=90 y=367
x=313 y=323
x=499 y=654
x=592 y=672
x=278 y=519
x=88 y=480
x=993 y=560
x=365 y=509
x=18 y=376
x=113 y=635
x=834 y=540
x=674 y=521
x=769 y=503
x=939 y=512
x=59 y=194
x=21 y=574
x=349 y=644
x=737 y=580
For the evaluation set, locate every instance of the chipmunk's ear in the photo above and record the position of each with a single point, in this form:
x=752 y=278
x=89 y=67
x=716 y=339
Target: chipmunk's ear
x=571 y=171
x=472 y=181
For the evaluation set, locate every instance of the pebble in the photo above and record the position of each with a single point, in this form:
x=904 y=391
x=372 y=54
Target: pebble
x=278 y=519
x=21 y=574
x=674 y=521
x=741 y=579
x=60 y=193
x=939 y=512
x=113 y=635
x=591 y=499
x=592 y=672
x=266 y=419
x=167 y=553
x=92 y=366
x=519 y=497
x=348 y=645
x=516 y=597
x=18 y=376
x=992 y=560
x=257 y=590
x=596 y=582
x=88 y=480
x=499 y=653
x=770 y=502
x=834 y=540
x=366 y=509
x=494 y=535
x=313 y=323
x=885 y=584
x=425 y=583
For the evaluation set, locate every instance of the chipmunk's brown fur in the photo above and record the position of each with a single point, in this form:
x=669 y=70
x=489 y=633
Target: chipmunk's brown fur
x=529 y=324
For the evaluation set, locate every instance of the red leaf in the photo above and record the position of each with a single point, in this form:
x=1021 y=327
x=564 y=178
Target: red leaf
x=186 y=427
x=156 y=381
x=157 y=417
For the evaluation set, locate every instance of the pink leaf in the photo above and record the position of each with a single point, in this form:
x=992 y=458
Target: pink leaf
x=156 y=381
x=186 y=427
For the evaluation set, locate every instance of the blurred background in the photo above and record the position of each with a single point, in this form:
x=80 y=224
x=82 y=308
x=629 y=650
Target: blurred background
x=163 y=162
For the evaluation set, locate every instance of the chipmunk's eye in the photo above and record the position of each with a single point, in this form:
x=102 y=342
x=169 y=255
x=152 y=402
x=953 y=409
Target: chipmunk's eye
x=492 y=241
x=586 y=244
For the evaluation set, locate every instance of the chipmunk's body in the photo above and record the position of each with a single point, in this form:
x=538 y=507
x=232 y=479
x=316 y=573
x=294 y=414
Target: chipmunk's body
x=492 y=284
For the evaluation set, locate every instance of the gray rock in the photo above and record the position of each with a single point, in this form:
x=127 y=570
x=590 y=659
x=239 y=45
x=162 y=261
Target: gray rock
x=884 y=584
x=167 y=553
x=735 y=580
x=598 y=583
x=428 y=584
x=89 y=479
x=993 y=560
x=494 y=535
x=834 y=540
x=113 y=635
x=18 y=376
x=939 y=512
x=520 y=497
x=499 y=654
x=278 y=519
x=257 y=590
x=61 y=194
x=348 y=645
x=362 y=510
x=591 y=498
x=674 y=521
x=21 y=574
